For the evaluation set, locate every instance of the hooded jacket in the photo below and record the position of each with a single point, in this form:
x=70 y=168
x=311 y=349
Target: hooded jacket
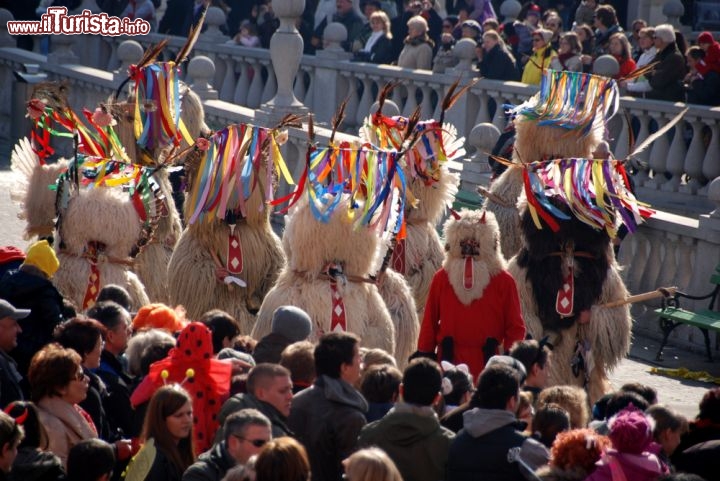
x=480 y=450
x=211 y=465
x=636 y=467
x=327 y=418
x=414 y=440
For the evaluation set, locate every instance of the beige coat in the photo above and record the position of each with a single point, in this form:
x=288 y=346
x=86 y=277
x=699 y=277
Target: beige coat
x=65 y=426
x=416 y=56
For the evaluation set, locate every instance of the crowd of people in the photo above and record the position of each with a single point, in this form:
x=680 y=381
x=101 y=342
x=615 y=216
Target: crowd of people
x=121 y=392
x=421 y=34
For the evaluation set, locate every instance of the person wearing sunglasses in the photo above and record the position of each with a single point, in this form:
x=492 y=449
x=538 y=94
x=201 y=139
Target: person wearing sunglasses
x=247 y=432
x=540 y=58
x=57 y=385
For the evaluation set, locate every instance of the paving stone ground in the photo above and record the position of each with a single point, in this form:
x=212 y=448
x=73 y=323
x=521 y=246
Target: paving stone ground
x=682 y=395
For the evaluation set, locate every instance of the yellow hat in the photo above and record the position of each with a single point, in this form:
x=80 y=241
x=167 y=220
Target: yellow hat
x=42 y=256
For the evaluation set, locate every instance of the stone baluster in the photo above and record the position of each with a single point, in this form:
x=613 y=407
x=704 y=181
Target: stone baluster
x=309 y=98
x=6 y=40
x=498 y=119
x=658 y=150
x=673 y=10
x=410 y=102
x=214 y=19
x=286 y=48
x=651 y=272
x=426 y=107
x=270 y=88
x=334 y=35
x=606 y=65
x=464 y=51
x=242 y=88
x=201 y=71
x=483 y=113
x=129 y=52
x=299 y=87
x=227 y=84
x=676 y=158
x=642 y=170
x=61 y=50
x=366 y=99
x=694 y=158
x=256 y=86
x=509 y=10
x=329 y=84
x=397 y=96
x=353 y=96
x=711 y=166
x=638 y=262
x=620 y=149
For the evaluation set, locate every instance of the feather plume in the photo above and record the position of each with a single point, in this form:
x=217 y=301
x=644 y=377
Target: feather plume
x=338 y=119
x=384 y=94
x=639 y=72
x=452 y=96
x=192 y=38
x=152 y=53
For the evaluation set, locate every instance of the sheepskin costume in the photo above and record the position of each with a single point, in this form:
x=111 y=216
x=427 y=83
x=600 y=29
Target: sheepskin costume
x=420 y=254
x=152 y=261
x=535 y=141
x=326 y=276
x=212 y=249
x=600 y=335
x=398 y=297
x=98 y=230
x=473 y=306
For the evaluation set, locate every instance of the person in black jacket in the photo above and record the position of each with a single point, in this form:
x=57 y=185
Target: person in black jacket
x=178 y=18
x=30 y=287
x=246 y=433
x=490 y=432
x=667 y=76
x=9 y=376
x=378 y=48
x=497 y=62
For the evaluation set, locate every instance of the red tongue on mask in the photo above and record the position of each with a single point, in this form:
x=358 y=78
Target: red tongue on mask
x=468 y=279
x=234 y=255
x=566 y=293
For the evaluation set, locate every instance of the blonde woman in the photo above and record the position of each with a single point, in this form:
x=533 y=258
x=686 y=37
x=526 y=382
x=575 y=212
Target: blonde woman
x=378 y=47
x=371 y=464
x=497 y=62
x=418 y=50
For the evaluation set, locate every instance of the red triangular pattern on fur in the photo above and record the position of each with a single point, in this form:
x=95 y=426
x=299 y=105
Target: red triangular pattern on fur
x=93 y=287
x=338 y=322
x=398 y=257
x=566 y=293
x=234 y=255
x=468 y=279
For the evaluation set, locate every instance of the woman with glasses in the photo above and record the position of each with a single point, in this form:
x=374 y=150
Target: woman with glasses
x=540 y=59
x=57 y=385
x=167 y=438
x=85 y=336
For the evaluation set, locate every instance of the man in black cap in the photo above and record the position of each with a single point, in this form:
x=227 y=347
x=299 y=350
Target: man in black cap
x=9 y=329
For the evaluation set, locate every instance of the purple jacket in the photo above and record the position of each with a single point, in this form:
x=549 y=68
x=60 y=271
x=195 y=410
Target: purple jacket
x=615 y=466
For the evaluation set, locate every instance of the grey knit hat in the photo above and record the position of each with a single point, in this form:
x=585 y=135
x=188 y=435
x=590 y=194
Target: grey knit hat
x=291 y=322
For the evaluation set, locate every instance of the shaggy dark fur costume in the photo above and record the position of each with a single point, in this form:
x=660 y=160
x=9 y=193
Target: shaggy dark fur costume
x=544 y=270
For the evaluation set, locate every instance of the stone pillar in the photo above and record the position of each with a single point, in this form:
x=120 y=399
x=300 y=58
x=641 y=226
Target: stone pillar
x=328 y=84
x=477 y=171
x=201 y=71
x=509 y=10
x=6 y=40
x=61 y=50
x=286 y=49
x=214 y=19
x=462 y=114
x=129 y=52
x=673 y=10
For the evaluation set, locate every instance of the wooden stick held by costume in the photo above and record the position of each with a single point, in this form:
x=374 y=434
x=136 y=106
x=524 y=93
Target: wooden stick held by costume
x=646 y=296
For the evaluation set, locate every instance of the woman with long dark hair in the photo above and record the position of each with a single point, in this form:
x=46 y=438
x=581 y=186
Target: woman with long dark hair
x=167 y=436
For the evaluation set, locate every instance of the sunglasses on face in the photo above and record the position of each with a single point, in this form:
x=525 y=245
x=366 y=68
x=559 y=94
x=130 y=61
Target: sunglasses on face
x=258 y=443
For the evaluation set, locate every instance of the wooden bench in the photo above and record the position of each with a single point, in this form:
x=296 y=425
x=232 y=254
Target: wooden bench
x=672 y=315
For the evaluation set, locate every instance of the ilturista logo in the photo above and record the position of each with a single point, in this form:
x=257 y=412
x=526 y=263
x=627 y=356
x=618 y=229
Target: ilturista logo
x=56 y=21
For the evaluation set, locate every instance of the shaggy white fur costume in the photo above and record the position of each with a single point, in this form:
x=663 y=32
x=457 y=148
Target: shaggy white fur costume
x=302 y=283
x=104 y=215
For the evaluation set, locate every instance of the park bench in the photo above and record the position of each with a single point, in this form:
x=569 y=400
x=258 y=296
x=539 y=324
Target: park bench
x=671 y=314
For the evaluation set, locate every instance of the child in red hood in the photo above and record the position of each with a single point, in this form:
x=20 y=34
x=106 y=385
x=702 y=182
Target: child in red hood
x=712 y=53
